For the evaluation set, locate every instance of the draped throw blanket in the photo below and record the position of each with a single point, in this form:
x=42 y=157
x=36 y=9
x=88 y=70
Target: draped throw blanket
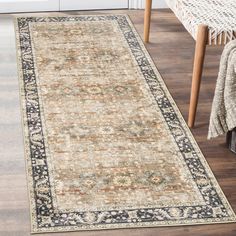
x=223 y=114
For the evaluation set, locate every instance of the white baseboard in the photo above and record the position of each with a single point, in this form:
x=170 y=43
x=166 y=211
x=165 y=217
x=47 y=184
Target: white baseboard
x=140 y=4
x=66 y=5
x=159 y=4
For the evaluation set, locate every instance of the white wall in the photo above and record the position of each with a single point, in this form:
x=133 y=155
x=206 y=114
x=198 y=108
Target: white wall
x=139 y=4
x=53 y=5
x=7 y=6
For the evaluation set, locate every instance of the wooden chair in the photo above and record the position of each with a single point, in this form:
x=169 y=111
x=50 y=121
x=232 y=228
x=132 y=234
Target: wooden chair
x=210 y=22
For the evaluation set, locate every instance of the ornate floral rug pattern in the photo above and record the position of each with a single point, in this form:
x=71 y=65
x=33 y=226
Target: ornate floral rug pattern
x=106 y=146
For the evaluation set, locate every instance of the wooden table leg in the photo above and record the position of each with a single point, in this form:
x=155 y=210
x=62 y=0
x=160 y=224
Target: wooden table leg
x=197 y=71
x=147 y=19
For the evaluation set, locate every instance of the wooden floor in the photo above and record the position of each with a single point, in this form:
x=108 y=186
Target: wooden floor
x=172 y=49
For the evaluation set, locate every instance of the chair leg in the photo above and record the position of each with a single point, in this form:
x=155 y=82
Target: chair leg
x=197 y=71
x=147 y=19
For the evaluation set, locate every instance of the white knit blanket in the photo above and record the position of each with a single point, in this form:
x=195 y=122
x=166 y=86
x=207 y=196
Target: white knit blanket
x=223 y=113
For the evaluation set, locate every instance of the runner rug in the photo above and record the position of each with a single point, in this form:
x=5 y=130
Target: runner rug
x=106 y=146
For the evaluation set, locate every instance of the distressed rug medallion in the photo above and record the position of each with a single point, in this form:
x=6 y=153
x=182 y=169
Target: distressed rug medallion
x=106 y=146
